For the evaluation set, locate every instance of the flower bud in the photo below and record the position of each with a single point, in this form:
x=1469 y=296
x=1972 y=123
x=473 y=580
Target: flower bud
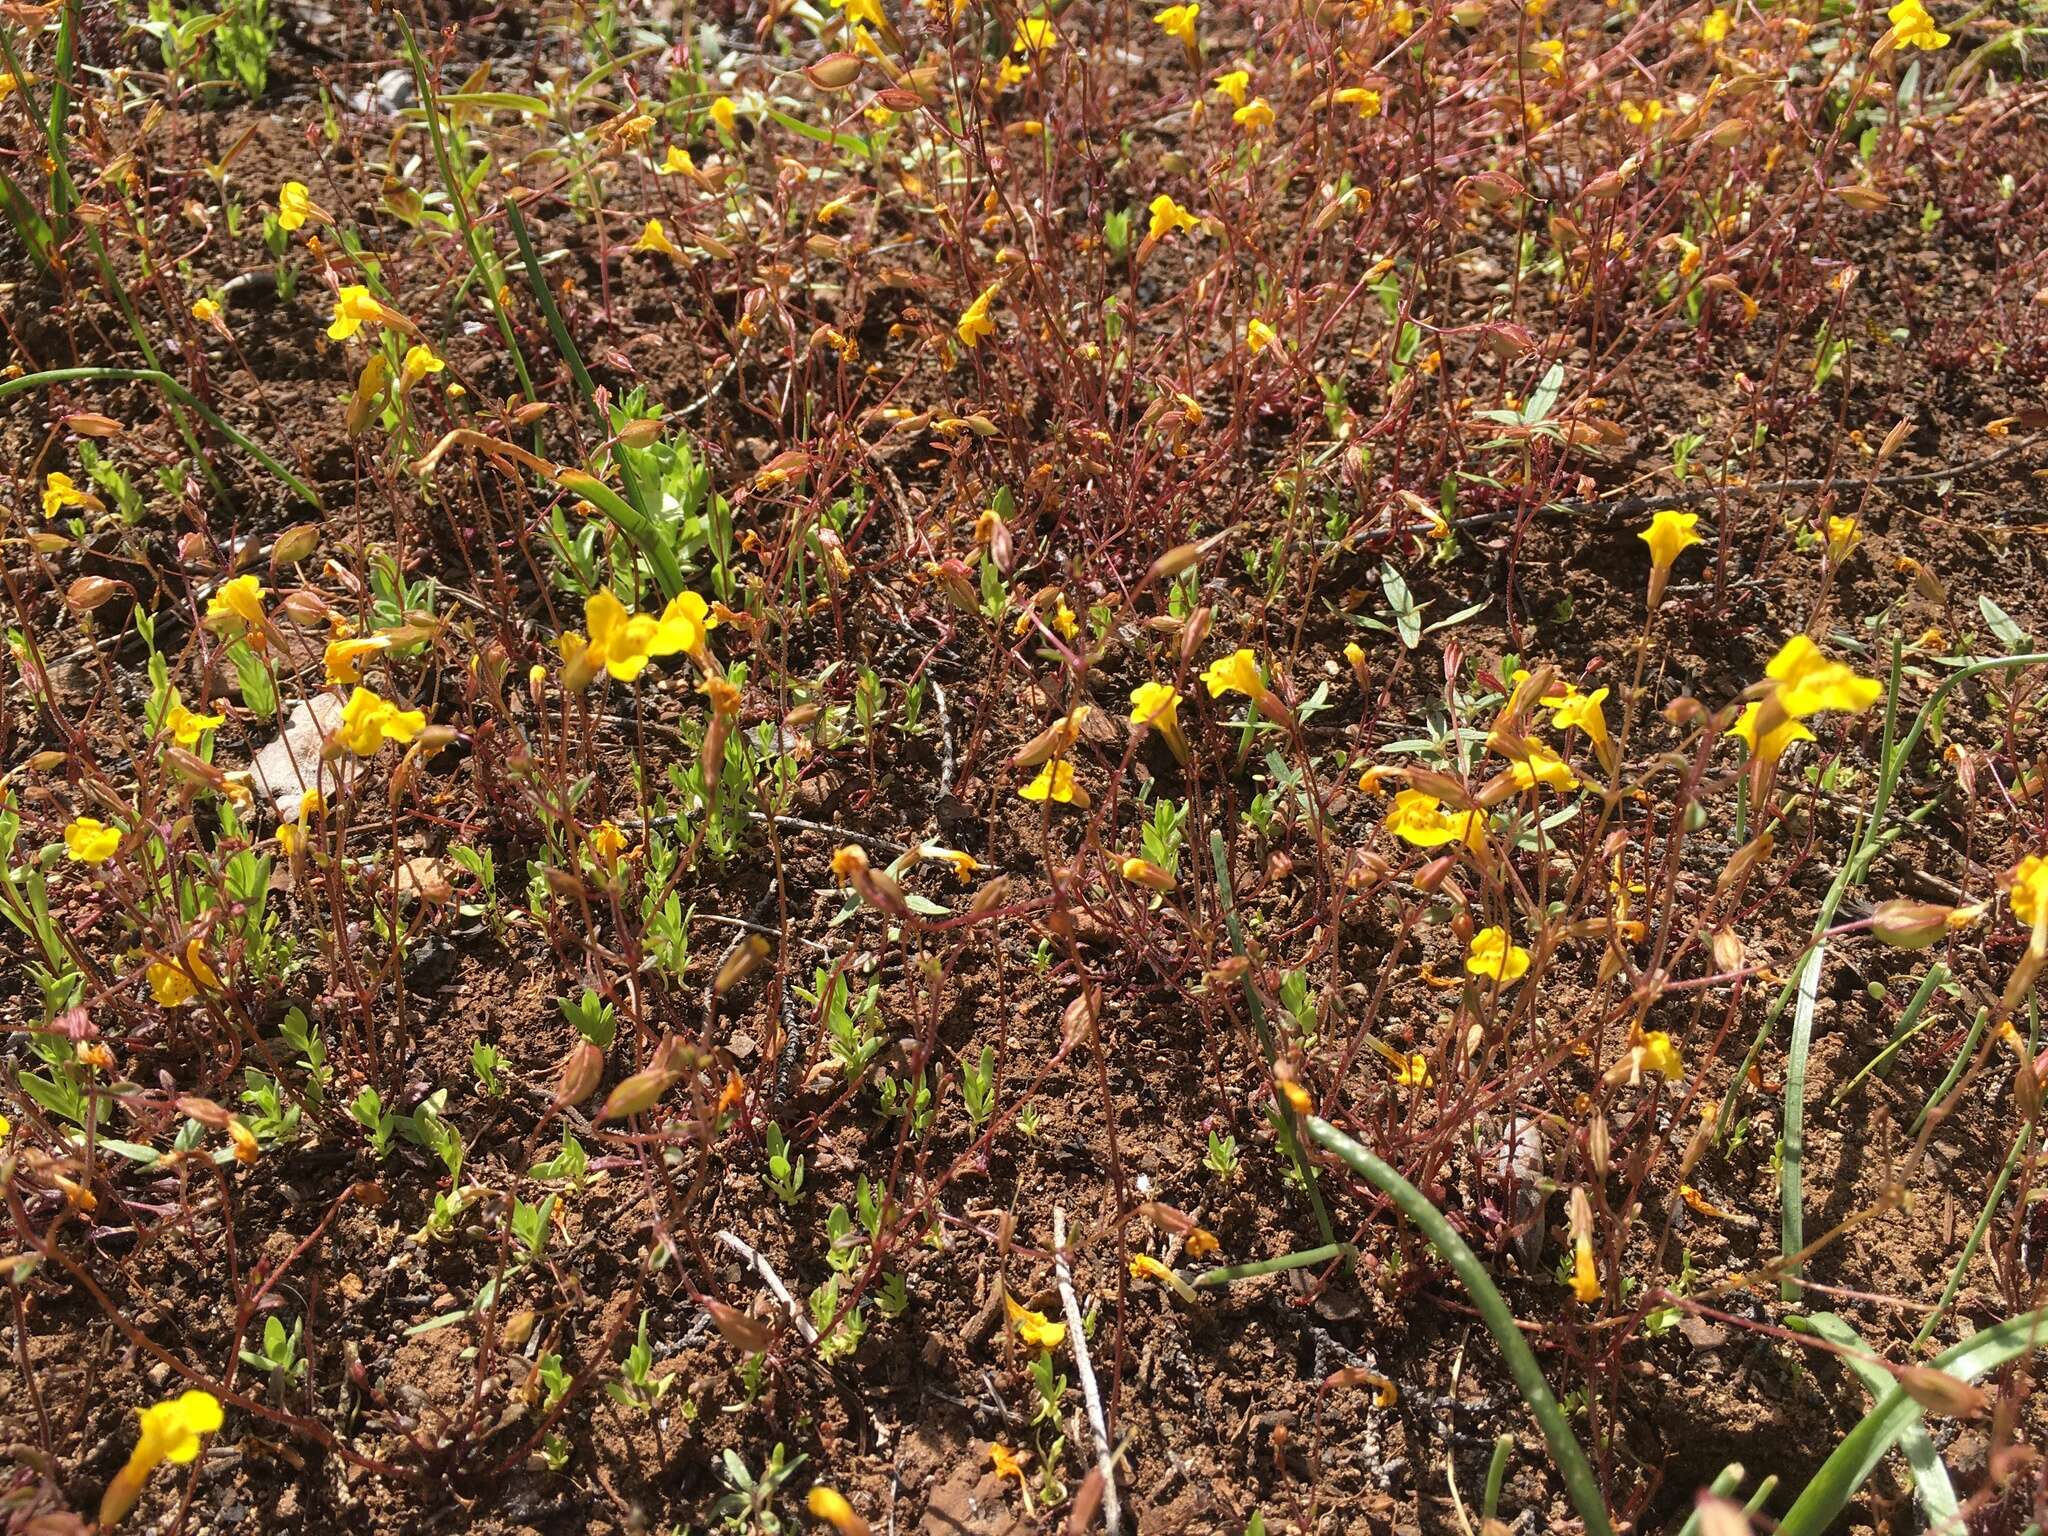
x=581 y=1071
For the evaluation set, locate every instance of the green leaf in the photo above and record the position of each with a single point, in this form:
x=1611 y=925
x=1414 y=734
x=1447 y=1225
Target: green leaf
x=1823 y=1499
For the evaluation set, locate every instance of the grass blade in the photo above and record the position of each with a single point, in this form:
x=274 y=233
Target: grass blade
x=1572 y=1466
x=1823 y=1499
x=1791 y=1198
x=1930 y=1478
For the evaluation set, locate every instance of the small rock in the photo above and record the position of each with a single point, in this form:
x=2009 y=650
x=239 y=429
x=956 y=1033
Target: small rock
x=288 y=767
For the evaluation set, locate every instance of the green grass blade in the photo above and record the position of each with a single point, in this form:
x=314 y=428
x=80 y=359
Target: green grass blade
x=178 y=393
x=1823 y=1499
x=1579 y=1481
x=1791 y=1197
x=1930 y=1478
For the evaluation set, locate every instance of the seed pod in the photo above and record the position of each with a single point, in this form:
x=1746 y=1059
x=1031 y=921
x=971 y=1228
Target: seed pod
x=1910 y=924
x=1599 y=1148
x=644 y=433
x=1193 y=634
x=582 y=1069
x=205 y=1111
x=834 y=72
x=88 y=593
x=989 y=897
x=1430 y=878
x=737 y=1328
x=1744 y=859
x=637 y=1094
x=1728 y=950
x=1938 y=1392
x=741 y=963
x=92 y=424
x=1442 y=787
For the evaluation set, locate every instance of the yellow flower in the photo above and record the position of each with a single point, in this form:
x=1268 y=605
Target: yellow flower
x=171 y=1431
x=419 y=362
x=1912 y=27
x=682 y=627
x=1410 y=1071
x=1035 y=34
x=238 y=605
x=1575 y=711
x=1055 y=782
x=1235 y=673
x=1670 y=535
x=620 y=641
x=975 y=321
x=2030 y=890
x=1688 y=253
x=1232 y=85
x=1420 y=819
x=205 y=310
x=1543 y=767
x=294 y=205
x=1258 y=336
x=1659 y=1055
x=830 y=1506
x=185 y=726
x=1366 y=99
x=1494 y=954
x=345 y=657
x=1550 y=56
x=1843 y=537
x=88 y=840
x=1585 y=1278
x=1179 y=21
x=1715 y=27
x=355 y=307
x=608 y=840
x=1644 y=114
x=1775 y=741
x=1155 y=704
x=1169 y=217
x=723 y=114
x=59 y=492
x=1253 y=115
x=1034 y=1328
x=676 y=162
x=368 y=720
x=172 y=986
x=1809 y=683
x=654 y=240
x=1005 y=1461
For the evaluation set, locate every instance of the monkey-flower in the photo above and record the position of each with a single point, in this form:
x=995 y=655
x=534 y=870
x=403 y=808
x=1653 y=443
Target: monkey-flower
x=1254 y=115
x=1808 y=684
x=1034 y=1328
x=1543 y=766
x=89 y=840
x=654 y=241
x=368 y=720
x=725 y=115
x=1178 y=21
x=2030 y=889
x=1669 y=535
x=1055 y=782
x=1576 y=711
x=171 y=1431
x=355 y=306
x=1235 y=673
x=976 y=323
x=1035 y=34
x=345 y=657
x=186 y=726
x=1496 y=955
x=1158 y=705
x=1258 y=335
x=419 y=362
x=60 y=491
x=295 y=206
x=830 y=1506
x=238 y=606
x=1168 y=217
x=1232 y=85
x=1421 y=820
x=1912 y=27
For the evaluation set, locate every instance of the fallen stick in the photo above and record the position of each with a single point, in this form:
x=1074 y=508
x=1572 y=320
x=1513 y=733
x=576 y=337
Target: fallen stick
x=1105 y=1458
